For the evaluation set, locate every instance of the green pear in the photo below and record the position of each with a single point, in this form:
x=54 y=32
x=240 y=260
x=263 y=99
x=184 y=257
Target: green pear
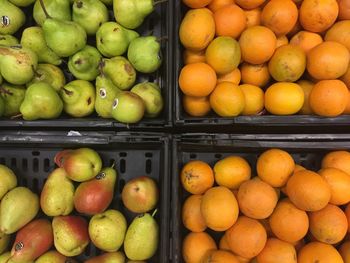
x=2 y=106
x=49 y=74
x=144 y=54
x=56 y=198
x=13 y=97
x=106 y=92
x=22 y=3
x=8 y=180
x=112 y=257
x=128 y=107
x=141 y=239
x=81 y=165
x=94 y=196
x=8 y=40
x=18 y=207
x=90 y=14
x=41 y=101
x=152 y=97
x=131 y=13
x=78 y=98
x=53 y=256
x=4 y=258
x=17 y=64
x=107 y=230
x=113 y=39
x=33 y=38
x=120 y=72
x=84 y=64
x=59 y=9
x=71 y=235
x=12 y=18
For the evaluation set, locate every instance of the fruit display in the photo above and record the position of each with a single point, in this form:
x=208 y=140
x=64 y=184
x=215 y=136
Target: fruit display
x=86 y=58
x=246 y=202
x=83 y=210
x=264 y=57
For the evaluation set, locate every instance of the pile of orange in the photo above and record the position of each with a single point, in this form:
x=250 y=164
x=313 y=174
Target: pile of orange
x=285 y=56
x=285 y=214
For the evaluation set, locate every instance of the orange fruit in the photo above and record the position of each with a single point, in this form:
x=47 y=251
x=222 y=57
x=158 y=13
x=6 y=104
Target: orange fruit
x=347 y=108
x=281 y=41
x=223 y=54
x=284 y=98
x=197 y=79
x=339 y=182
x=196 y=106
x=191 y=214
x=197 y=177
x=249 y=4
x=346 y=77
x=288 y=222
x=308 y=191
x=196 y=3
x=344 y=251
x=344 y=9
x=306 y=40
x=253 y=17
x=243 y=259
x=272 y=162
x=280 y=16
x=347 y=214
x=256 y=199
x=232 y=171
x=337 y=159
x=319 y=252
x=230 y=21
x=318 y=15
x=217 y=4
x=258 y=43
x=328 y=225
x=197 y=29
x=219 y=256
x=288 y=63
x=227 y=100
x=339 y=33
x=328 y=60
x=190 y=56
x=221 y=199
x=234 y=77
x=257 y=75
x=276 y=251
x=196 y=245
x=329 y=98
x=254 y=99
x=247 y=237
x=307 y=86
x=223 y=244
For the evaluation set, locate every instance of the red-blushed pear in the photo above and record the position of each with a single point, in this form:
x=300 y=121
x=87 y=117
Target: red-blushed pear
x=32 y=241
x=82 y=164
x=112 y=257
x=140 y=194
x=53 y=256
x=71 y=235
x=94 y=196
x=56 y=198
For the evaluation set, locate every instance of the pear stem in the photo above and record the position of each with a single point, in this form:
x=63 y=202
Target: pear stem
x=164 y=38
x=16 y=116
x=5 y=91
x=159 y=2
x=154 y=212
x=113 y=164
x=44 y=9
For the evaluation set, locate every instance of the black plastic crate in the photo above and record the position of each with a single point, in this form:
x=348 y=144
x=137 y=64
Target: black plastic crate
x=183 y=120
x=307 y=150
x=31 y=156
x=160 y=24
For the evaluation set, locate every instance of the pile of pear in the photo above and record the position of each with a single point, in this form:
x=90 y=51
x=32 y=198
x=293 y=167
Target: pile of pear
x=74 y=209
x=80 y=57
